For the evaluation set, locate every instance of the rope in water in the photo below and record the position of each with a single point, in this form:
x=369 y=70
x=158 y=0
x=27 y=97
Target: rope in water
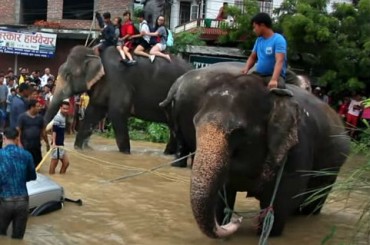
x=153 y=169
x=126 y=167
x=267 y=213
x=269 y=218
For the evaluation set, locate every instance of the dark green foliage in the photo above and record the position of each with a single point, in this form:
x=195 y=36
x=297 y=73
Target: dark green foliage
x=242 y=29
x=183 y=39
x=143 y=130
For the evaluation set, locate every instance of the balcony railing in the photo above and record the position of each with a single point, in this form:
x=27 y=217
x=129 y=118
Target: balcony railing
x=205 y=23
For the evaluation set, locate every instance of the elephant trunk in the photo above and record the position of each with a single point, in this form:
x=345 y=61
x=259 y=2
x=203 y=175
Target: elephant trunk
x=62 y=92
x=208 y=177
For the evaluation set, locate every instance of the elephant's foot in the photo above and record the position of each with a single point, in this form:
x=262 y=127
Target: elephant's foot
x=125 y=151
x=310 y=210
x=180 y=164
x=169 y=151
x=88 y=147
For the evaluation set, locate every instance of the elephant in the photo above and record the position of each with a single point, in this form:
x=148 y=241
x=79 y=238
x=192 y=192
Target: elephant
x=115 y=90
x=243 y=134
x=153 y=9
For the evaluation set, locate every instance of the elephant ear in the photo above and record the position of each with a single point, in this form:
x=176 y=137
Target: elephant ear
x=282 y=129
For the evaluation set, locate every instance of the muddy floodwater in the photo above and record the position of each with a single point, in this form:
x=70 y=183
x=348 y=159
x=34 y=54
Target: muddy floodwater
x=154 y=208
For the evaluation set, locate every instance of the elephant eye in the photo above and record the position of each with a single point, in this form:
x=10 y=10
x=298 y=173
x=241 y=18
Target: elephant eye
x=68 y=76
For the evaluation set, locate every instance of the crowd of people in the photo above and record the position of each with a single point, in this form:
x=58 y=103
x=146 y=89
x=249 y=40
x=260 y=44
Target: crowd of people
x=123 y=35
x=354 y=110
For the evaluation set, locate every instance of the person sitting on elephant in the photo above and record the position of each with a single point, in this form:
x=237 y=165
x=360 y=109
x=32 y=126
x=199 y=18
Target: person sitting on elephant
x=117 y=23
x=124 y=45
x=161 y=33
x=270 y=49
x=144 y=39
x=108 y=32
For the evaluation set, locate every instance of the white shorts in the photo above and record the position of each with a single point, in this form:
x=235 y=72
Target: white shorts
x=161 y=46
x=58 y=153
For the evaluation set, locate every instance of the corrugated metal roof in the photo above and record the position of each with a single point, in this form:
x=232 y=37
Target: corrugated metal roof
x=216 y=51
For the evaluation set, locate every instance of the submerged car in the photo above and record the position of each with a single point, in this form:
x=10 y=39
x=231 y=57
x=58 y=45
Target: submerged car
x=45 y=195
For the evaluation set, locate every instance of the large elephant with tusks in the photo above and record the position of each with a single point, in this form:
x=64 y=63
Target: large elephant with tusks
x=243 y=134
x=115 y=90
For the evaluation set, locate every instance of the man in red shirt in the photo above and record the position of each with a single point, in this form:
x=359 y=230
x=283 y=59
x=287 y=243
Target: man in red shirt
x=124 y=44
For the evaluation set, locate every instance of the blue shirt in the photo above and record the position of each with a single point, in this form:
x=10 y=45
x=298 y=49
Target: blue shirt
x=16 y=169
x=59 y=125
x=266 y=48
x=17 y=107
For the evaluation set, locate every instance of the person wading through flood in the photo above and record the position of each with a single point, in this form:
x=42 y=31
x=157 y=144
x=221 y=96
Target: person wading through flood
x=31 y=129
x=270 y=52
x=16 y=169
x=59 y=153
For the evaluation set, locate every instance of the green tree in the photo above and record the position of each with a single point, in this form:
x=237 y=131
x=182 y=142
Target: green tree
x=335 y=46
x=184 y=39
x=241 y=30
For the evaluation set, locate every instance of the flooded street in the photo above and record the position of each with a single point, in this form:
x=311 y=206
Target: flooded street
x=154 y=208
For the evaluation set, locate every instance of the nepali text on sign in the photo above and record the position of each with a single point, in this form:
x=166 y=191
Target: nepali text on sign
x=35 y=44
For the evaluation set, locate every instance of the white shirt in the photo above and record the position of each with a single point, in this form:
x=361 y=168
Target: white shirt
x=44 y=80
x=351 y=109
x=144 y=27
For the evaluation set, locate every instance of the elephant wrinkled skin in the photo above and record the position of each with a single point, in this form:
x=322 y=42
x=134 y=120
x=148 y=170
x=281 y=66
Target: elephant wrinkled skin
x=115 y=90
x=242 y=133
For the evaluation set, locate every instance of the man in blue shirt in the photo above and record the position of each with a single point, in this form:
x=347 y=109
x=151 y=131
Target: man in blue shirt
x=270 y=52
x=16 y=168
x=19 y=104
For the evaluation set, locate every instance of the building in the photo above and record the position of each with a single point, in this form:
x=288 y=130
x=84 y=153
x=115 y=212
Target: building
x=70 y=20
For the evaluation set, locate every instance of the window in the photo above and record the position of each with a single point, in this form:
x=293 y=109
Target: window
x=239 y=4
x=184 y=12
x=78 y=10
x=194 y=12
x=31 y=11
x=265 y=6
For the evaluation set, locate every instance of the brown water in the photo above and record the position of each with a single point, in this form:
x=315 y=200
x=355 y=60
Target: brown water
x=155 y=208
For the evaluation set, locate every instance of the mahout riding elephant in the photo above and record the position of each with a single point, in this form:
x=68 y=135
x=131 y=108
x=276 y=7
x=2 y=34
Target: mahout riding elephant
x=243 y=134
x=115 y=90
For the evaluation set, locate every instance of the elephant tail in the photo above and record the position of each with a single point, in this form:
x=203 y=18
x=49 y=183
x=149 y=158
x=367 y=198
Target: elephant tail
x=171 y=93
x=166 y=102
